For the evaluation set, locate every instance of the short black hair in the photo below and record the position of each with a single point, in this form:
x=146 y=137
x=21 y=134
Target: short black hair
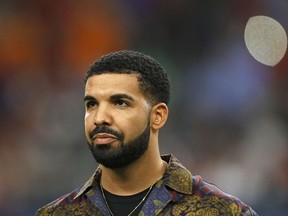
x=153 y=79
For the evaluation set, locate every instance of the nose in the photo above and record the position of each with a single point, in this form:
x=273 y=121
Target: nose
x=102 y=116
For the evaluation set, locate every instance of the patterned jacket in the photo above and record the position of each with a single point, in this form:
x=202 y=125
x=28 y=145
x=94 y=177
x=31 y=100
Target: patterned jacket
x=177 y=193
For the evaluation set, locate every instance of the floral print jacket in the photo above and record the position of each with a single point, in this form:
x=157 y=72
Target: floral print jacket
x=177 y=193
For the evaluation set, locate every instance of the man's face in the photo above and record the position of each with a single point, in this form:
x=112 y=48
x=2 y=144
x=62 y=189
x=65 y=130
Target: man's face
x=117 y=125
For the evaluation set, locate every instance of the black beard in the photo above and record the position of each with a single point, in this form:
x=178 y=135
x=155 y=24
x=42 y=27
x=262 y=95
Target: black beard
x=123 y=155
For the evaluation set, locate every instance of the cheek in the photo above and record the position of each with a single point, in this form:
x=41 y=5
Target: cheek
x=133 y=127
x=88 y=123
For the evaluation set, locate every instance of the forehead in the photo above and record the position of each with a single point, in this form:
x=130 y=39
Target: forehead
x=113 y=84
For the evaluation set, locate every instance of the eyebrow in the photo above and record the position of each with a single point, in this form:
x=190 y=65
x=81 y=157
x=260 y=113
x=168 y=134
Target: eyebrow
x=121 y=96
x=113 y=97
x=89 y=98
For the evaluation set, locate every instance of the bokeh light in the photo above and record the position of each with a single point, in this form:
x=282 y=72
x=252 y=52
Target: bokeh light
x=265 y=39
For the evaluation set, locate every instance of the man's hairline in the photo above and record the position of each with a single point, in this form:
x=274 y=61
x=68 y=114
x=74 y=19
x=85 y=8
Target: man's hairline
x=129 y=72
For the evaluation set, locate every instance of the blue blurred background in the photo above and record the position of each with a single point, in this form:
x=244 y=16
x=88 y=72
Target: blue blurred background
x=229 y=113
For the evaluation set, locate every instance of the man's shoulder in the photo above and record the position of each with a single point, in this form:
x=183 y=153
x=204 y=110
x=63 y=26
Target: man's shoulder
x=69 y=204
x=61 y=207
x=210 y=193
x=65 y=201
x=194 y=194
x=74 y=203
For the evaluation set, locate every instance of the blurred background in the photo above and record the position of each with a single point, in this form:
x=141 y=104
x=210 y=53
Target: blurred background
x=228 y=115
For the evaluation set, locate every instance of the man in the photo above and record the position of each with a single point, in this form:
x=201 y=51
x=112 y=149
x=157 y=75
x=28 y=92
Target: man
x=126 y=97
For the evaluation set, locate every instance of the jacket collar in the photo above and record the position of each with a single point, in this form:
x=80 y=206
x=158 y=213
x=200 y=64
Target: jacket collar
x=176 y=177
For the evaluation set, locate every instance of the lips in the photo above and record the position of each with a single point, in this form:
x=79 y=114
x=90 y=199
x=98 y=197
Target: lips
x=103 y=138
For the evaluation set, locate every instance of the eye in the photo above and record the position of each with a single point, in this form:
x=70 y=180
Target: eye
x=90 y=104
x=121 y=103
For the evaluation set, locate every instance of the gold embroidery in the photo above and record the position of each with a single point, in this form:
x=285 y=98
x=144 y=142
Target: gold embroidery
x=158 y=202
x=202 y=206
x=90 y=193
x=83 y=208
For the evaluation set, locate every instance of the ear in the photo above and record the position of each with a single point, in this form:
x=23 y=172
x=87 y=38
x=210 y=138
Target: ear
x=159 y=115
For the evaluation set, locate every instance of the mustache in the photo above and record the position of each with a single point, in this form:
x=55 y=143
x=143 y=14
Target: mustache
x=106 y=129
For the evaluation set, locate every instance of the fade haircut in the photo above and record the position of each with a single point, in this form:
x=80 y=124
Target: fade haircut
x=152 y=78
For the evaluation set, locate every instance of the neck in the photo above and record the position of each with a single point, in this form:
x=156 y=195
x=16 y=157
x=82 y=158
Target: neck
x=135 y=177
